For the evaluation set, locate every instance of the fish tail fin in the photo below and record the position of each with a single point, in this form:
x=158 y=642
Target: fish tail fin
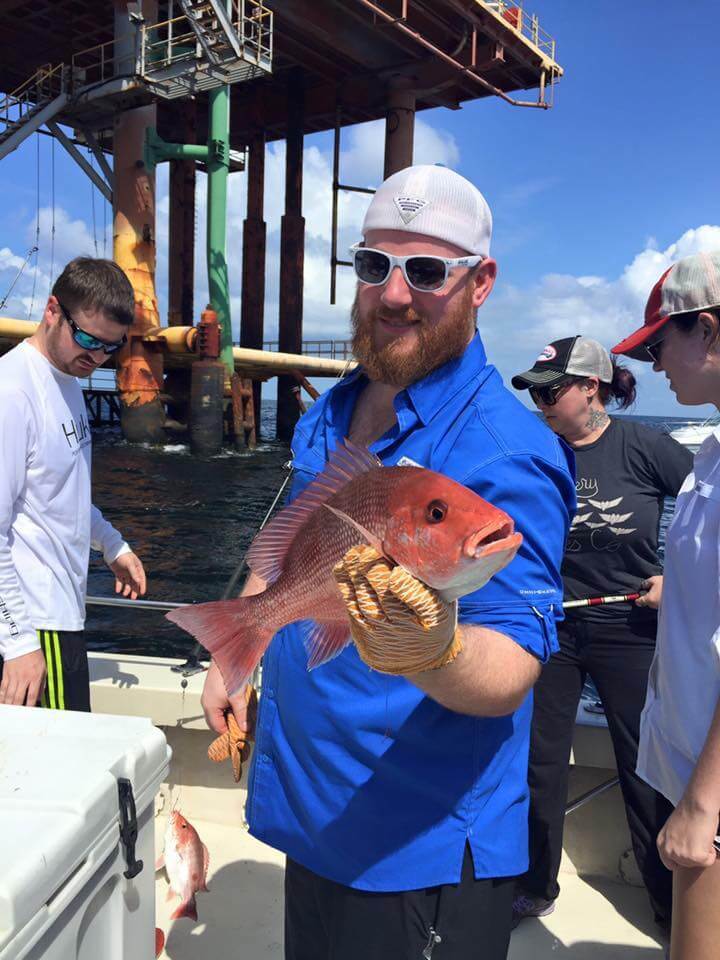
x=188 y=908
x=227 y=630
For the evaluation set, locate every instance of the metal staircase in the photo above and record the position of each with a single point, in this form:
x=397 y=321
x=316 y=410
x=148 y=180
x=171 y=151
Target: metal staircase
x=31 y=105
x=209 y=44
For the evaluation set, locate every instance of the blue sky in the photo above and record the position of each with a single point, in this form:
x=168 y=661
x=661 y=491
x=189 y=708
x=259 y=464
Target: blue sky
x=591 y=200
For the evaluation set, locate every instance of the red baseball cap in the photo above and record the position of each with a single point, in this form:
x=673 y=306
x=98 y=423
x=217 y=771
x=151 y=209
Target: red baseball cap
x=689 y=285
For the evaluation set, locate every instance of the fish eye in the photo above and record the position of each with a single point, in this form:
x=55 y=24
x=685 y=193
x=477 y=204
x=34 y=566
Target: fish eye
x=436 y=511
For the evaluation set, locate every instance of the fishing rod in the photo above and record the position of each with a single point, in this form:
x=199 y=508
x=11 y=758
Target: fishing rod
x=600 y=601
x=167 y=605
x=137 y=604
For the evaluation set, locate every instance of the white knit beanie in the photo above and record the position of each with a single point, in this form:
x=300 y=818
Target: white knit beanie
x=436 y=202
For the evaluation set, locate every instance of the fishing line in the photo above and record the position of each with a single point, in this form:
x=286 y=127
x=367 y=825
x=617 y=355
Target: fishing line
x=17 y=277
x=192 y=664
x=52 y=201
x=105 y=206
x=37 y=224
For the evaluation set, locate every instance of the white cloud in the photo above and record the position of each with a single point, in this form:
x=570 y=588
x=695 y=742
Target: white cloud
x=608 y=309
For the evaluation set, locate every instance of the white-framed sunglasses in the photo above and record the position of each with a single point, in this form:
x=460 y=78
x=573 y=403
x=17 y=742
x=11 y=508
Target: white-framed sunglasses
x=426 y=274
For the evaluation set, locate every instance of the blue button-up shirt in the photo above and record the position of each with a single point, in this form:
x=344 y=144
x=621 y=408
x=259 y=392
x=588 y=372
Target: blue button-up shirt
x=361 y=777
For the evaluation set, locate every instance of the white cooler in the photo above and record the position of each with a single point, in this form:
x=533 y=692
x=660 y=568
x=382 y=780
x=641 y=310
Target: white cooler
x=76 y=818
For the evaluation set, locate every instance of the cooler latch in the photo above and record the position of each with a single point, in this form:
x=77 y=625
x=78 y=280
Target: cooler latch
x=128 y=827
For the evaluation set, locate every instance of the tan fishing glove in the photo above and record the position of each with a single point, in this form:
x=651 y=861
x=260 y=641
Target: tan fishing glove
x=234 y=744
x=399 y=624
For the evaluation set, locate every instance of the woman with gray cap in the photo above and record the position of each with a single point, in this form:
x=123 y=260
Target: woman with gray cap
x=624 y=471
x=679 y=750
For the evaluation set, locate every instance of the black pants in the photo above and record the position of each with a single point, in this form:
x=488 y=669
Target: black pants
x=328 y=921
x=67 y=686
x=617 y=657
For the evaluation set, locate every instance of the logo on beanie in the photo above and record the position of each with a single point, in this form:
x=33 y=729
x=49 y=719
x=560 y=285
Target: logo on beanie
x=410 y=207
x=549 y=353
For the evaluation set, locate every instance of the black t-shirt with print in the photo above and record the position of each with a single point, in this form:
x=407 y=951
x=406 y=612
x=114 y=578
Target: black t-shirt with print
x=623 y=478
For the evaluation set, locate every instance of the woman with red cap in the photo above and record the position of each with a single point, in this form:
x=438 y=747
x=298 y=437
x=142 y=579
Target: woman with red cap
x=624 y=472
x=679 y=751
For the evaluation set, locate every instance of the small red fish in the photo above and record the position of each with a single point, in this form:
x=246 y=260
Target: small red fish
x=440 y=531
x=186 y=862
x=159 y=941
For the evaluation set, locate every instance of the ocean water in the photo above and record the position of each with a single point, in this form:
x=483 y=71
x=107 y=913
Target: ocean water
x=190 y=521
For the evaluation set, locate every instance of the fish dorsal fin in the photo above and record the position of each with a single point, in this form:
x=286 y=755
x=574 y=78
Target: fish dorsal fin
x=267 y=553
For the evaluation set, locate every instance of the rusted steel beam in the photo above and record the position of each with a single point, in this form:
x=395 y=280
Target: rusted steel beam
x=399 y=126
x=139 y=371
x=139 y=366
x=181 y=229
x=252 y=308
x=292 y=256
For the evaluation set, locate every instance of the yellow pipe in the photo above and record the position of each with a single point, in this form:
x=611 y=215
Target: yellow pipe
x=178 y=343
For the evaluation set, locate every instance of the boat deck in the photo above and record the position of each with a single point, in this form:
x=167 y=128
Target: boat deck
x=602 y=913
x=241 y=916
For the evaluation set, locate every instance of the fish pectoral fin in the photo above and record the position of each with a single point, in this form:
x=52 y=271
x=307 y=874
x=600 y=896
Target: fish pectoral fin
x=160 y=862
x=206 y=864
x=186 y=909
x=323 y=641
x=171 y=894
x=363 y=531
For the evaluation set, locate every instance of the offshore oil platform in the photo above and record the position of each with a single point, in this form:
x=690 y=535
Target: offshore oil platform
x=204 y=85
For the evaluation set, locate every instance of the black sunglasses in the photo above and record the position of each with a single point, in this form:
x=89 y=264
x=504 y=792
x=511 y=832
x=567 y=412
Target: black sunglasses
x=87 y=340
x=654 y=349
x=549 y=396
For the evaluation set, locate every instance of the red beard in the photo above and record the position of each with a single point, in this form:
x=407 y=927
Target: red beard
x=435 y=345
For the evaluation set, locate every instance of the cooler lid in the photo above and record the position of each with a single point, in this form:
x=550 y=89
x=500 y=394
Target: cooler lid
x=59 y=794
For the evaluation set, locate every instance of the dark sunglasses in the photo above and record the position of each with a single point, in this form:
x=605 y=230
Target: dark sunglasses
x=549 y=396
x=87 y=340
x=654 y=349
x=426 y=274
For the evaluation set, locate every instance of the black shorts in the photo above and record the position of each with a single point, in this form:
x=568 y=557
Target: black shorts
x=67 y=685
x=328 y=921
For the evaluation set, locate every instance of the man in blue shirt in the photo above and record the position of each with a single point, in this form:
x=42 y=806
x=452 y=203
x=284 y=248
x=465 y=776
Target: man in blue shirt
x=401 y=801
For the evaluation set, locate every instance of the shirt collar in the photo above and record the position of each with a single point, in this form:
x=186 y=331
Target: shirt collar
x=429 y=395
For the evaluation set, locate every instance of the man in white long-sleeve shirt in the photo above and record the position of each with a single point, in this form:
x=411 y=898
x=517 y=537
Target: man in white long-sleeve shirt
x=47 y=520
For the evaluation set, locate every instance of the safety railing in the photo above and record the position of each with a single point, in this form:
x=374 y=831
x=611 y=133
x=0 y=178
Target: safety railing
x=44 y=85
x=101 y=63
x=172 y=43
x=526 y=24
x=330 y=349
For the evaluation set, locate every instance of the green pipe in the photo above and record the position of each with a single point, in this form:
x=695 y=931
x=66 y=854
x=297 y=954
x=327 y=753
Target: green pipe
x=218 y=167
x=157 y=150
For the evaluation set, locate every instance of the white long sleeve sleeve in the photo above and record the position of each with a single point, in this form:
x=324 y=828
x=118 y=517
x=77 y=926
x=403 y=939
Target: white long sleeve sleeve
x=104 y=537
x=17 y=635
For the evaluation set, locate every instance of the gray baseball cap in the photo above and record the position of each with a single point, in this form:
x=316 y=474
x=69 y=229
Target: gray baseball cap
x=569 y=357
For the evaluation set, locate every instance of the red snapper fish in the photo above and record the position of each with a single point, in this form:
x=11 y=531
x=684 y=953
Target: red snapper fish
x=440 y=531
x=186 y=862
